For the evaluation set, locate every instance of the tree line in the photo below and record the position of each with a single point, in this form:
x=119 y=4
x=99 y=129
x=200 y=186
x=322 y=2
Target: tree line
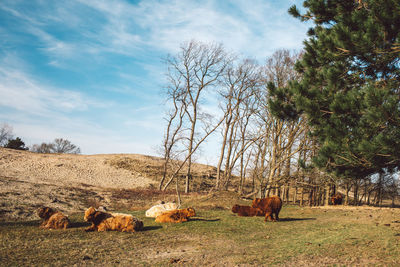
x=302 y=125
x=59 y=145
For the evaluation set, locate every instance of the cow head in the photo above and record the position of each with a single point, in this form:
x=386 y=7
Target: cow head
x=191 y=212
x=235 y=208
x=45 y=212
x=95 y=216
x=256 y=202
x=90 y=214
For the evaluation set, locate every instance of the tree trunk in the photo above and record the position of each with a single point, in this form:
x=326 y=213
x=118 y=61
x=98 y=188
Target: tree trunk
x=163 y=176
x=295 y=195
x=380 y=197
x=348 y=187
x=221 y=158
x=310 y=197
x=318 y=197
x=188 y=174
x=302 y=196
x=187 y=182
x=241 y=182
x=321 y=197
x=287 y=194
x=376 y=197
x=327 y=195
x=369 y=198
x=177 y=190
x=356 y=193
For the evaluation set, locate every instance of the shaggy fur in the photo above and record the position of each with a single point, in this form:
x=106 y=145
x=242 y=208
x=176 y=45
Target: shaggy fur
x=336 y=199
x=103 y=221
x=160 y=209
x=176 y=216
x=247 y=211
x=52 y=219
x=270 y=205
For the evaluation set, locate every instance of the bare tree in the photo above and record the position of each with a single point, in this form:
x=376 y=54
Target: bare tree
x=280 y=140
x=65 y=146
x=198 y=68
x=248 y=136
x=174 y=129
x=59 y=145
x=238 y=104
x=6 y=133
x=43 y=148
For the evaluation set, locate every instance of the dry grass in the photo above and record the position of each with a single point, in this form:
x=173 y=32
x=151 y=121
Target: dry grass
x=216 y=237
x=203 y=176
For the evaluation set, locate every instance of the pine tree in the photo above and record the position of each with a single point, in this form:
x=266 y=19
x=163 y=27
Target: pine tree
x=16 y=143
x=350 y=87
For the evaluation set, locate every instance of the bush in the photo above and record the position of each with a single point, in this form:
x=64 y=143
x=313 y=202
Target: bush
x=16 y=143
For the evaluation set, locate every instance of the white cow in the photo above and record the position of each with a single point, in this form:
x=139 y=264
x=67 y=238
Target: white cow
x=160 y=209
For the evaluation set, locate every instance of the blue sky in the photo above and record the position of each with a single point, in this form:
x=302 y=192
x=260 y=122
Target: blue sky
x=91 y=71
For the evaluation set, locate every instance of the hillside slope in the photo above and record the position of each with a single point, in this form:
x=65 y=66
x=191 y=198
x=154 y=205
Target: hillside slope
x=72 y=182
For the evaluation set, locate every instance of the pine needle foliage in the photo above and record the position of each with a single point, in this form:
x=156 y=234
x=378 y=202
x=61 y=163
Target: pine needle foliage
x=350 y=86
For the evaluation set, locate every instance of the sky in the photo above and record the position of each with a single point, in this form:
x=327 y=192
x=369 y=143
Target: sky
x=92 y=71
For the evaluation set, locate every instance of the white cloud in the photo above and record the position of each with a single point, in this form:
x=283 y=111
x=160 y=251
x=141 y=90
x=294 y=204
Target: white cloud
x=19 y=15
x=21 y=92
x=254 y=28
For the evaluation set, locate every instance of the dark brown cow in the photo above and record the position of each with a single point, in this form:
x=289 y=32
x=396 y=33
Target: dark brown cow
x=247 y=211
x=53 y=219
x=270 y=205
x=337 y=199
x=104 y=221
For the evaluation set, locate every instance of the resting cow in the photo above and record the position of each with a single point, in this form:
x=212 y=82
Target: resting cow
x=160 y=209
x=52 y=219
x=270 y=205
x=176 y=216
x=247 y=211
x=104 y=221
x=337 y=199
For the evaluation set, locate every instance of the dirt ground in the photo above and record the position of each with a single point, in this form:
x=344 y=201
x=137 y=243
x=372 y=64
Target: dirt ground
x=66 y=182
x=72 y=170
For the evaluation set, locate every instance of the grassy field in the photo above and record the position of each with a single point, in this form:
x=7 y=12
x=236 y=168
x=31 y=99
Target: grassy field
x=216 y=237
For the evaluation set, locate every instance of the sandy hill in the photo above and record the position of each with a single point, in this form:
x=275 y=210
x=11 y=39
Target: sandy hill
x=72 y=182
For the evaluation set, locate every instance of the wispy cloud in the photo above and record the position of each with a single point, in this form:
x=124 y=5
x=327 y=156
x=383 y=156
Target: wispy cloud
x=91 y=138
x=21 y=92
x=40 y=112
x=91 y=71
x=255 y=28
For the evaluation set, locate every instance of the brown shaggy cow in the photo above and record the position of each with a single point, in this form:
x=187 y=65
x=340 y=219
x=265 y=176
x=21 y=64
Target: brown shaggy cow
x=270 y=205
x=52 y=219
x=104 y=221
x=337 y=199
x=176 y=216
x=247 y=211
